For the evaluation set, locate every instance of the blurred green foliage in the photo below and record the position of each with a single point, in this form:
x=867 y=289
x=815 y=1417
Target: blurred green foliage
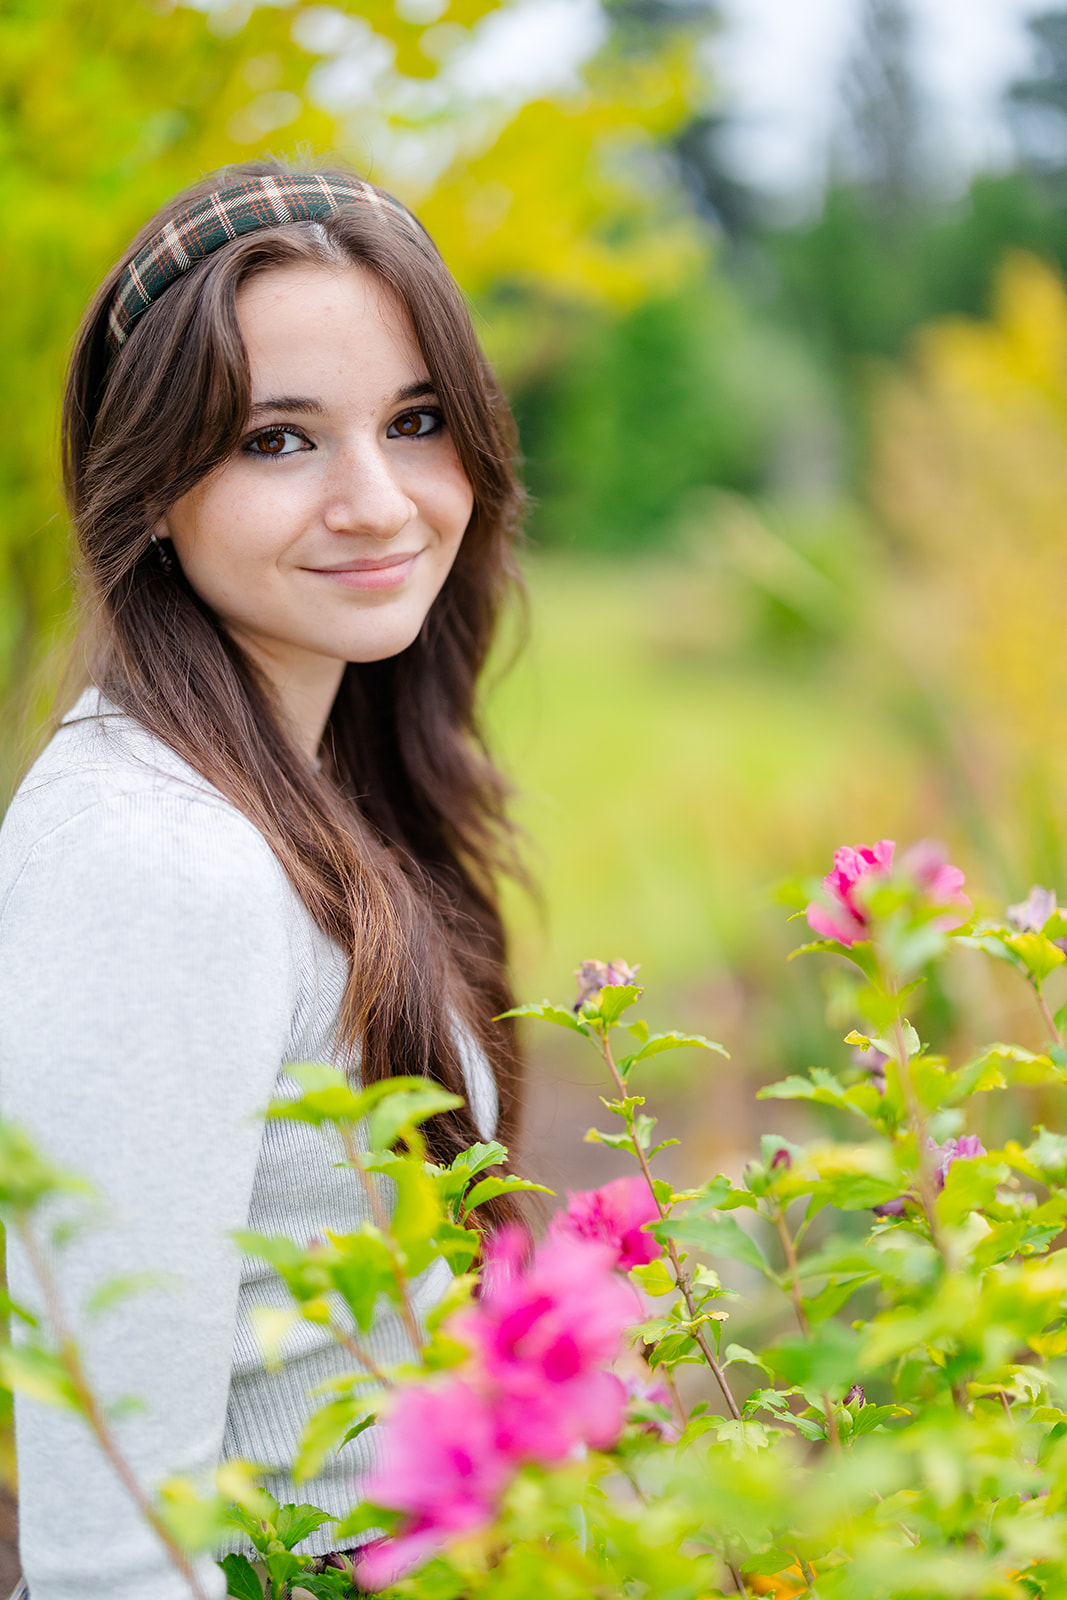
x=641 y=409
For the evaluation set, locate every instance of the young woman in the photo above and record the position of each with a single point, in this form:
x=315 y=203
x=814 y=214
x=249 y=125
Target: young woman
x=268 y=832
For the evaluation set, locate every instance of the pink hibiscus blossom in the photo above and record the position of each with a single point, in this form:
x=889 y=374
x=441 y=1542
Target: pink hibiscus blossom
x=844 y=916
x=543 y=1337
x=540 y=1337
x=941 y=883
x=845 y=919
x=614 y=1215
x=442 y=1467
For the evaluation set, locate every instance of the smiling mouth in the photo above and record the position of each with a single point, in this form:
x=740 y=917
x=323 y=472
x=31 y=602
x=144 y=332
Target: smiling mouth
x=369 y=572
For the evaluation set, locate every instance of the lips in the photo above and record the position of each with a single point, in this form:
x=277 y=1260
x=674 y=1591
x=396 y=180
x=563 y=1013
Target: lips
x=369 y=572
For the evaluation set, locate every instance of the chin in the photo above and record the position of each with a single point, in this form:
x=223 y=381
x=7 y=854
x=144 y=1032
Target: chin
x=381 y=645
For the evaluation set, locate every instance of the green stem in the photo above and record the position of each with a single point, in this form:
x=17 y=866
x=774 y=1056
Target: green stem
x=354 y=1348
x=809 y=1576
x=917 y=1123
x=67 y=1351
x=1049 y=1019
x=381 y=1222
x=735 y=1573
x=792 y=1265
x=681 y=1277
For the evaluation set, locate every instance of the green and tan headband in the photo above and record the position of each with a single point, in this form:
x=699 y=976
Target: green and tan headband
x=214 y=219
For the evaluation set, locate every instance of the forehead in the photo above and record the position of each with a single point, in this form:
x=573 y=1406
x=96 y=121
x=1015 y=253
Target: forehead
x=324 y=328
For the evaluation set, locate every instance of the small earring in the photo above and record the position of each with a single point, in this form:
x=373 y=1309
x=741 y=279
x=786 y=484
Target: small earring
x=163 y=554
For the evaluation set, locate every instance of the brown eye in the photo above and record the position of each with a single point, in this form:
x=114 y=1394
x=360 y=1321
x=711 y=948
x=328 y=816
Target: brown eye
x=416 y=425
x=276 y=443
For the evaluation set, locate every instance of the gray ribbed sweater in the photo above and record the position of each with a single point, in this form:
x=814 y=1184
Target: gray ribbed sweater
x=157 y=972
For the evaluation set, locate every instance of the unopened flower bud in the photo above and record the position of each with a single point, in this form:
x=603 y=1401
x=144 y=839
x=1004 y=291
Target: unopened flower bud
x=593 y=976
x=782 y=1158
x=621 y=973
x=856 y=1396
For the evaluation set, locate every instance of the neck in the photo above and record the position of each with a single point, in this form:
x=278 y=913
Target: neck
x=305 y=687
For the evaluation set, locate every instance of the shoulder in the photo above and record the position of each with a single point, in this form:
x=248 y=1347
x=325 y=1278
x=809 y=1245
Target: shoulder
x=108 y=804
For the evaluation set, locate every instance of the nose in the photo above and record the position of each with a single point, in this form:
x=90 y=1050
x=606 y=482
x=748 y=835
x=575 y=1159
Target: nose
x=365 y=497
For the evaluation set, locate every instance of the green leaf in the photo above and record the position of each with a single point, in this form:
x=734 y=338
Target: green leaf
x=480 y=1156
x=770 y=1562
x=740 y=1352
x=326 y=1430
x=809 y=1427
x=282 y=1566
x=27 y=1369
x=547 y=1012
x=294 y=1523
x=832 y=1297
x=869 y=1417
x=490 y=1188
x=241 y=1578
x=1038 y=955
x=26 y=1177
x=614 y=1141
x=416 y=1215
x=828 y=1360
x=271 y=1326
x=658 y=1042
x=260 y=1530
x=408 y=1106
x=333 y=1584
x=362 y=1268
x=360 y=1427
x=117 y=1289
x=459 y=1246
x=719 y=1236
x=654 y=1278
x=614 y=999
x=829 y=1091
x=1048 y=1153
x=328 y=1097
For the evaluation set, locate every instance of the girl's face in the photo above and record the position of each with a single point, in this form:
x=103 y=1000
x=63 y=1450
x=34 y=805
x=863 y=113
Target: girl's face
x=327 y=535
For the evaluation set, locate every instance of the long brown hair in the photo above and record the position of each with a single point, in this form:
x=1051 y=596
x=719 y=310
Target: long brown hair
x=396 y=846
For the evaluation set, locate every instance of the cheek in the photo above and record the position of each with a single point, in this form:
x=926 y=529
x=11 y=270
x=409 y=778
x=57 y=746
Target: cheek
x=446 y=504
x=225 y=526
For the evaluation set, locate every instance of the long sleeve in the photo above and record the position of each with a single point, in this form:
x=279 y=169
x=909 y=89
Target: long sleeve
x=147 y=992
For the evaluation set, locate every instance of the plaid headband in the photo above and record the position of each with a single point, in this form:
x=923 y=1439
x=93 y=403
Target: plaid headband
x=216 y=218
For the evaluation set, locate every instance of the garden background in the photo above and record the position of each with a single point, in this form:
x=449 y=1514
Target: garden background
x=799 y=471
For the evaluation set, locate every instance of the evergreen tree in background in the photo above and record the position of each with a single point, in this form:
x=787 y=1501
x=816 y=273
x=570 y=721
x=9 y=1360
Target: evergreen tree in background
x=883 y=142
x=714 y=191
x=1040 y=102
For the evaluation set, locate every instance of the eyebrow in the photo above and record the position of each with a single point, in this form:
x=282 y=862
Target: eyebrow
x=307 y=406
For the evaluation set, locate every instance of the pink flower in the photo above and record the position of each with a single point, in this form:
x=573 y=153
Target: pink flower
x=1031 y=914
x=969 y=1148
x=614 y=1215
x=845 y=919
x=542 y=1338
x=537 y=1388
x=443 y=1467
x=941 y=882
x=641 y=1397
x=596 y=975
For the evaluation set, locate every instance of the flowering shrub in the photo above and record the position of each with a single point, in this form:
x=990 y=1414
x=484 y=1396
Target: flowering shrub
x=588 y=1424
